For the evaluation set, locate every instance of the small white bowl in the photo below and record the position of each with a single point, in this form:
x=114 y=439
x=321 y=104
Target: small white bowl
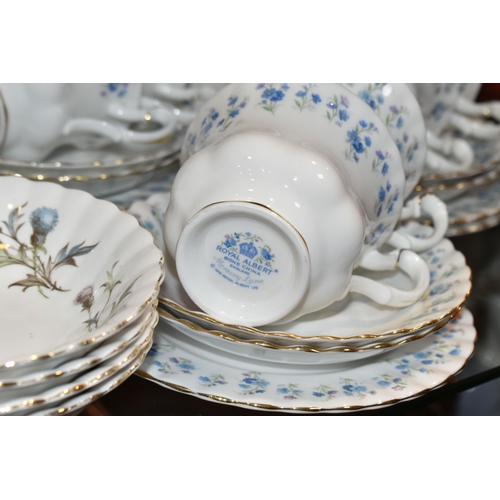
x=74 y=270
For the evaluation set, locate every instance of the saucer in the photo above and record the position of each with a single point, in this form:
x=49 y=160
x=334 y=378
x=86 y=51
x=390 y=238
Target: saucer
x=291 y=354
x=486 y=158
x=182 y=364
x=103 y=172
x=354 y=319
x=474 y=227
x=481 y=203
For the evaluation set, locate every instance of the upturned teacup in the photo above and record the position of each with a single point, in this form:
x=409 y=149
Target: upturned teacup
x=283 y=190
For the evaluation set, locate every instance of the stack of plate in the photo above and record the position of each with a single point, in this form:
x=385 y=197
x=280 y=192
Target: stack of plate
x=353 y=334
x=79 y=287
x=102 y=172
x=470 y=196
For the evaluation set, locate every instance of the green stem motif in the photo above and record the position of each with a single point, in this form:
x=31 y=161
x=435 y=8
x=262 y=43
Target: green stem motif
x=85 y=299
x=43 y=221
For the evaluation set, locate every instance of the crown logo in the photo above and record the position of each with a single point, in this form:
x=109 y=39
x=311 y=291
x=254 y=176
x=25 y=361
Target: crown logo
x=248 y=249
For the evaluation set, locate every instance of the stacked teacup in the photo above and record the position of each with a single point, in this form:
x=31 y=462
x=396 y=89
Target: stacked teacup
x=462 y=137
x=85 y=133
x=288 y=202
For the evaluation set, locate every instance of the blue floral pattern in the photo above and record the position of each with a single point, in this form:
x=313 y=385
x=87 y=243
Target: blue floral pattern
x=396 y=117
x=117 y=89
x=243 y=243
x=401 y=374
x=337 y=109
x=272 y=95
x=305 y=100
x=268 y=100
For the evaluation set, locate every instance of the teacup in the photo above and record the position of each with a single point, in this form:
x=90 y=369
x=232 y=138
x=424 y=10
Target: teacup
x=285 y=189
x=398 y=108
x=439 y=103
x=43 y=117
x=186 y=98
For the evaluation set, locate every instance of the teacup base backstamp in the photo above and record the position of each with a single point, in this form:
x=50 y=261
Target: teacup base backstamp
x=242 y=262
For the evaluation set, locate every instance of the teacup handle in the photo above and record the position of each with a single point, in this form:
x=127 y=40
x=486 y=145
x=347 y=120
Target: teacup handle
x=448 y=154
x=184 y=115
x=478 y=109
x=409 y=262
x=166 y=91
x=122 y=135
x=475 y=129
x=431 y=206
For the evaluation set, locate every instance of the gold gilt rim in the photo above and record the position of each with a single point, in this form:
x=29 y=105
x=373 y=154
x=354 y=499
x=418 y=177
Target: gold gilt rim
x=57 y=373
x=153 y=299
x=302 y=409
x=301 y=348
x=474 y=218
x=252 y=331
x=172 y=162
x=173 y=150
x=140 y=349
x=474 y=226
x=94 y=397
x=489 y=176
x=476 y=171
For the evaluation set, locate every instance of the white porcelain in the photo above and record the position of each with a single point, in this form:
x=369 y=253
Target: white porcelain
x=187 y=98
x=42 y=380
x=293 y=354
x=479 y=203
x=453 y=189
x=324 y=119
x=45 y=116
x=355 y=320
x=399 y=109
x=296 y=176
x=474 y=227
x=181 y=364
x=74 y=405
x=57 y=395
x=74 y=271
x=102 y=172
x=439 y=103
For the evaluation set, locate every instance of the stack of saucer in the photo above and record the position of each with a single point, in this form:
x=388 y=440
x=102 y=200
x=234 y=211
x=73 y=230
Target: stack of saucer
x=80 y=284
x=331 y=354
x=469 y=131
x=99 y=137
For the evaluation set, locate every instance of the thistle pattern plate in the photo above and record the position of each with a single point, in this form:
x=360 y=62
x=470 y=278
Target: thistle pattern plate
x=56 y=396
x=74 y=270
